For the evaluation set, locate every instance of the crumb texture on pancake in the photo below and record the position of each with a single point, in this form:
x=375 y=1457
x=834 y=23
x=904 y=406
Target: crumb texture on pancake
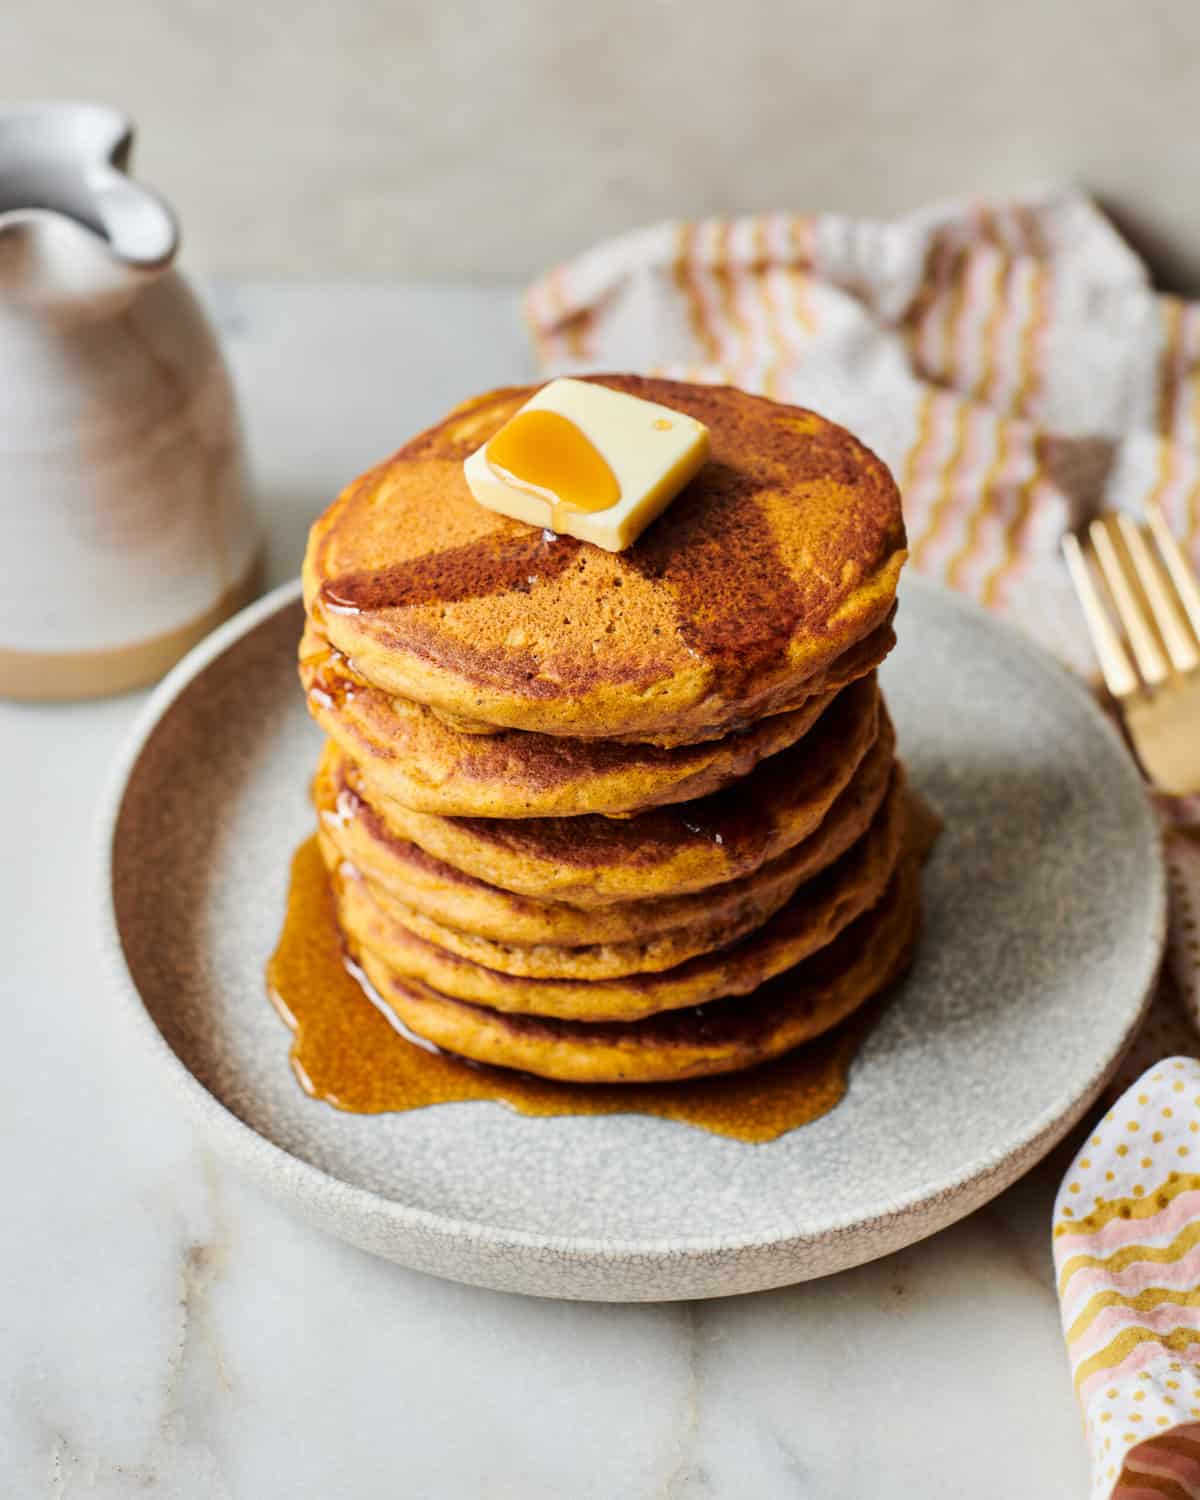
x=779 y=557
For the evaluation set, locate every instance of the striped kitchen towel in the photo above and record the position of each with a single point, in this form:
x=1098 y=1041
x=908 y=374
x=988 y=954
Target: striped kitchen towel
x=1015 y=367
x=1010 y=361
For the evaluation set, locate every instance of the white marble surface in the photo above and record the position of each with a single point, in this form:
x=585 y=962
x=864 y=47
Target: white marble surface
x=164 y=1329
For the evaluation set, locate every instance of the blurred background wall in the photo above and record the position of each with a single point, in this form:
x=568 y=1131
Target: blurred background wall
x=417 y=138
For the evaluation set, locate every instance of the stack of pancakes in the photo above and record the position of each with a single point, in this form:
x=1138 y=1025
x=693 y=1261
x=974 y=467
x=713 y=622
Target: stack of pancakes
x=616 y=817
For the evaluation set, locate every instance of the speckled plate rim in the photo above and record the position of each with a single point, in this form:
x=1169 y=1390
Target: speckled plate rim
x=358 y=1214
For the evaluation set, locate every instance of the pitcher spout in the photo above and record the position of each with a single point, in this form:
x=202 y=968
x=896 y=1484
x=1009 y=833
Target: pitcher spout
x=77 y=234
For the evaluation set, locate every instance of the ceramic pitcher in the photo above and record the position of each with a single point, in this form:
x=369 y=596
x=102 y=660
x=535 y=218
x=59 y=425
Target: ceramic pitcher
x=127 y=530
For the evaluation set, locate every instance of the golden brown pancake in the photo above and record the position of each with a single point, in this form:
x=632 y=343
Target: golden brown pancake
x=594 y=861
x=558 y=982
x=777 y=558
x=358 y=835
x=855 y=662
x=406 y=752
x=728 y=1034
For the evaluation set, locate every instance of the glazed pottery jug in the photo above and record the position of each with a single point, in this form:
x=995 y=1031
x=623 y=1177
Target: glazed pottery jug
x=127 y=529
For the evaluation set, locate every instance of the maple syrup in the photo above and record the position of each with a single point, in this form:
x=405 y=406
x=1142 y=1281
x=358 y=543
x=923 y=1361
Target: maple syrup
x=546 y=454
x=350 y=1051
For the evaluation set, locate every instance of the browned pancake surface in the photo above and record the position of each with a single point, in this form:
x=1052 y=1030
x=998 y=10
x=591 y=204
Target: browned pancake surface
x=721 y=1037
x=622 y=982
x=591 y=861
x=392 y=865
x=778 y=557
x=406 y=752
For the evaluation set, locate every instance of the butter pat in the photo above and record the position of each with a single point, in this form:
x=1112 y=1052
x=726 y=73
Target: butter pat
x=588 y=462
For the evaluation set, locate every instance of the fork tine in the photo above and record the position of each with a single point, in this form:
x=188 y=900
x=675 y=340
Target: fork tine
x=1119 y=676
x=1176 y=637
x=1151 y=663
x=1178 y=566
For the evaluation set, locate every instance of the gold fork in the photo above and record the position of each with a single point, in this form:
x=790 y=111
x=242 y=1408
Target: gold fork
x=1141 y=601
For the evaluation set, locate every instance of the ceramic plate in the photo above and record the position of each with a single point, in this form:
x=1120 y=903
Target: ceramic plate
x=1045 y=918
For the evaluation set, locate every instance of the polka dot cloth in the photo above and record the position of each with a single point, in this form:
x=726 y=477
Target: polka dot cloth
x=1127 y=1259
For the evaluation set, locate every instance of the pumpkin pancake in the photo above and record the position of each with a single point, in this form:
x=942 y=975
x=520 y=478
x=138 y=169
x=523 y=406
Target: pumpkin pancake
x=723 y=1036
x=774 y=561
x=356 y=833
x=408 y=753
x=556 y=981
x=593 y=861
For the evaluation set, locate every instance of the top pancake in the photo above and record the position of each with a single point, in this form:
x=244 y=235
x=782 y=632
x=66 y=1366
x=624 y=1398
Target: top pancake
x=780 y=555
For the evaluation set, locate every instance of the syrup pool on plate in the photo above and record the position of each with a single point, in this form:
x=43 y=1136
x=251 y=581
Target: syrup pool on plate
x=349 y=1052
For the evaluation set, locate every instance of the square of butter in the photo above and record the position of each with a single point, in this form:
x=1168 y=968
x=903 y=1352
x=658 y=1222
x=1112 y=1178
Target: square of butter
x=634 y=458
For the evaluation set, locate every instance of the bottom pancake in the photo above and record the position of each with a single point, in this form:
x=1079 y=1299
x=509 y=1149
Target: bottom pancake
x=720 y=1037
